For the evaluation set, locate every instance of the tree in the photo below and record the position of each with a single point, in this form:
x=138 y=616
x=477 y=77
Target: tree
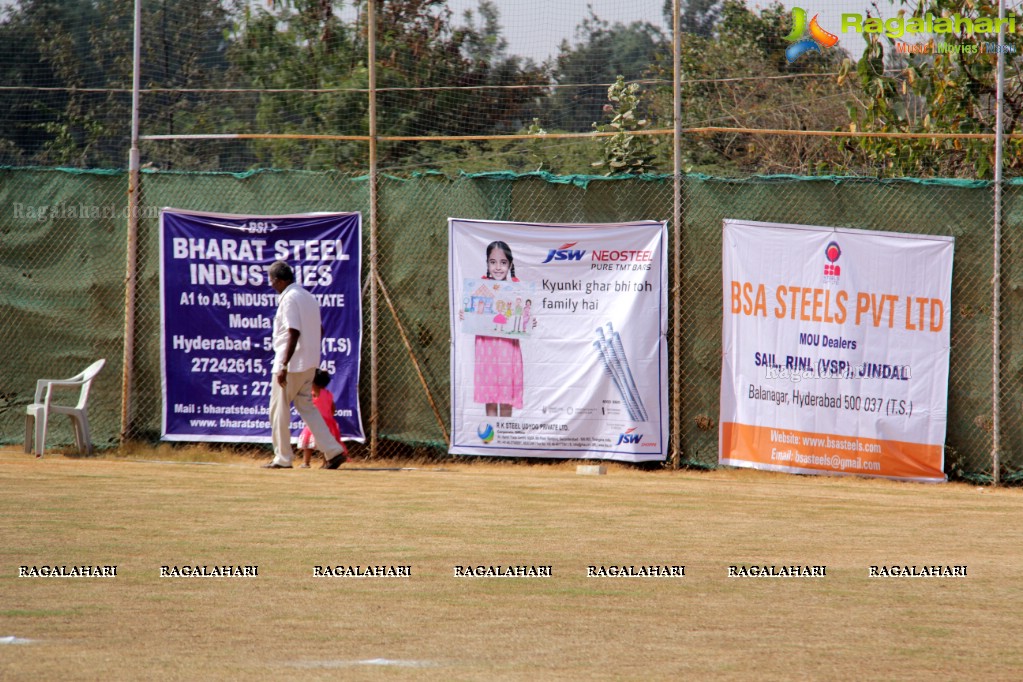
x=184 y=53
x=480 y=89
x=58 y=127
x=28 y=112
x=310 y=74
x=582 y=73
x=937 y=91
x=697 y=17
x=84 y=48
x=433 y=78
x=740 y=78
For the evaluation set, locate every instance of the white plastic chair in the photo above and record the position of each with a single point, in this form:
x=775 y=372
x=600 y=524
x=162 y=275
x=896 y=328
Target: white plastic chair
x=38 y=413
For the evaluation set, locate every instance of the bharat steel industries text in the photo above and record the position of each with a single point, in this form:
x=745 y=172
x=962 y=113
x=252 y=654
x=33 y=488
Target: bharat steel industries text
x=237 y=252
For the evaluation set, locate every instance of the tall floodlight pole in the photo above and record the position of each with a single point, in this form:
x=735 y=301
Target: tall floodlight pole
x=130 y=268
x=676 y=400
x=996 y=270
x=371 y=57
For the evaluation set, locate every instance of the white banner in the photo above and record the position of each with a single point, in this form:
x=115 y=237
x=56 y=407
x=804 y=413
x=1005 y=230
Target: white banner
x=835 y=350
x=558 y=340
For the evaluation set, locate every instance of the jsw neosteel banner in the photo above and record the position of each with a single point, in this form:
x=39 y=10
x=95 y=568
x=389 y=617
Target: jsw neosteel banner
x=835 y=350
x=217 y=309
x=558 y=340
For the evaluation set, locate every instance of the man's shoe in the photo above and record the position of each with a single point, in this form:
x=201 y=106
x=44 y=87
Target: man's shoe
x=275 y=465
x=335 y=461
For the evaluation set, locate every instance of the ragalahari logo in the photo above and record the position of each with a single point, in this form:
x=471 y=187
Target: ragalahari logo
x=818 y=36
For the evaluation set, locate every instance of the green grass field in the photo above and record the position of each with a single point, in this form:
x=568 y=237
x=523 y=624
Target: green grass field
x=287 y=624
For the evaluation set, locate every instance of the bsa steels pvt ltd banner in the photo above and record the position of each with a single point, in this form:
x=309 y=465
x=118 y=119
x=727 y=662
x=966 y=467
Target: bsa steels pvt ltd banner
x=217 y=309
x=835 y=350
x=558 y=340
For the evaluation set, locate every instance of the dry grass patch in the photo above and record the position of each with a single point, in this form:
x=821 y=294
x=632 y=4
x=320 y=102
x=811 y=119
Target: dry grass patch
x=141 y=511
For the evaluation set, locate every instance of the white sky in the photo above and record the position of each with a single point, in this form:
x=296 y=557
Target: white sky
x=535 y=28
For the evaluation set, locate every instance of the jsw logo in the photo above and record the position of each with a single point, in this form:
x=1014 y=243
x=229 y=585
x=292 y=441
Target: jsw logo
x=565 y=252
x=629 y=437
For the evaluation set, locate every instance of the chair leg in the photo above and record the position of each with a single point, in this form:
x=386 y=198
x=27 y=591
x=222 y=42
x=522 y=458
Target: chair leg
x=40 y=435
x=85 y=434
x=81 y=424
x=29 y=432
x=76 y=429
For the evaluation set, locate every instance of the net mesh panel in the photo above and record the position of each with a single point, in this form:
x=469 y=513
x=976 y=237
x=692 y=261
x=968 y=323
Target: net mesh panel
x=1010 y=321
x=62 y=259
x=466 y=68
x=299 y=67
x=454 y=68
x=458 y=68
x=64 y=305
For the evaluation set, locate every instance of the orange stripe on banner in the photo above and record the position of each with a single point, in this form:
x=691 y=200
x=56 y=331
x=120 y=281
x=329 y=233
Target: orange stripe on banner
x=790 y=450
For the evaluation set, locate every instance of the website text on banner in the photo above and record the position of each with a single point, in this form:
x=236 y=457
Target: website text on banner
x=558 y=340
x=836 y=345
x=217 y=309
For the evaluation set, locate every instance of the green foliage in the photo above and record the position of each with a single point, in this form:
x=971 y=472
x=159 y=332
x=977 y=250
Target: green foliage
x=297 y=66
x=937 y=92
x=696 y=17
x=625 y=153
x=537 y=151
x=82 y=51
x=51 y=47
x=296 y=51
x=303 y=50
x=571 y=156
x=739 y=78
x=204 y=60
x=601 y=53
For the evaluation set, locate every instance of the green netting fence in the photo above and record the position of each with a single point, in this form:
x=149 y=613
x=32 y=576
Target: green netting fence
x=63 y=253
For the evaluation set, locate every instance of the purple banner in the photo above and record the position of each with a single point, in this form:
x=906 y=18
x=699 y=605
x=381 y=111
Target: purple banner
x=217 y=309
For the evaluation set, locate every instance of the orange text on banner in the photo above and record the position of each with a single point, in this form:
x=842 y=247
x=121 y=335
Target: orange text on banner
x=810 y=304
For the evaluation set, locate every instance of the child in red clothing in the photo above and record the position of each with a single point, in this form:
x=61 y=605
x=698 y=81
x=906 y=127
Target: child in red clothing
x=324 y=401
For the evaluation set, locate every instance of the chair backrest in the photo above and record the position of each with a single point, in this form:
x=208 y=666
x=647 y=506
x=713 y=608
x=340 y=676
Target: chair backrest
x=86 y=378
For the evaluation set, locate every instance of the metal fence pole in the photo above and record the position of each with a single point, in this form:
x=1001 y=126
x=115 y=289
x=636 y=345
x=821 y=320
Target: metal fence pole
x=131 y=259
x=996 y=276
x=676 y=399
x=371 y=57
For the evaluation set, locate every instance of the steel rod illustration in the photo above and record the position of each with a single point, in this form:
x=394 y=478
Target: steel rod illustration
x=603 y=351
x=630 y=382
x=618 y=374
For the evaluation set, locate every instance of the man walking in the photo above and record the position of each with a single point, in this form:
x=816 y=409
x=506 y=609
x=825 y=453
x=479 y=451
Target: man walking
x=296 y=344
